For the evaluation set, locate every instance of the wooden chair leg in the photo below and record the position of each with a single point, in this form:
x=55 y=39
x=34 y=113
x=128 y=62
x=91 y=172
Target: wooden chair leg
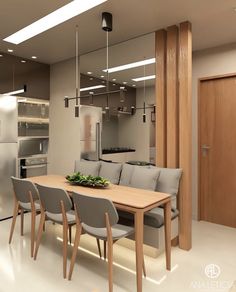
x=40 y=231
x=75 y=250
x=33 y=216
x=70 y=227
x=105 y=249
x=65 y=244
x=15 y=213
x=144 y=268
x=22 y=222
x=110 y=263
x=99 y=248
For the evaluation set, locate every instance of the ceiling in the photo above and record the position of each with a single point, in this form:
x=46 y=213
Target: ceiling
x=214 y=24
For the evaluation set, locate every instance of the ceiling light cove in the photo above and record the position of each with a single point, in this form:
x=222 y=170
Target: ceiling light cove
x=53 y=19
x=92 y=87
x=131 y=65
x=144 y=78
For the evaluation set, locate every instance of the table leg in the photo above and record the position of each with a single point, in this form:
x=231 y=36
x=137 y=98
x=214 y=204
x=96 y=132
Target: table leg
x=167 y=221
x=139 y=247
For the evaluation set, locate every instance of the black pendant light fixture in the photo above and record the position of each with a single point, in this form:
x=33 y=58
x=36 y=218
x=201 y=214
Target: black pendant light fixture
x=107 y=27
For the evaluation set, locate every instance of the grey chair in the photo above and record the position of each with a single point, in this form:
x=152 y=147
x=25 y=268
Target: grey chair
x=56 y=206
x=26 y=199
x=98 y=217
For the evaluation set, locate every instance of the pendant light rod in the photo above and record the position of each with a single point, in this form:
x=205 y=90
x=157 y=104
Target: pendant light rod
x=77 y=61
x=107 y=73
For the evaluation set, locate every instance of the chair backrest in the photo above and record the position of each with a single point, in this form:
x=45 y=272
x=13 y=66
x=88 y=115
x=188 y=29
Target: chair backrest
x=51 y=199
x=22 y=188
x=91 y=210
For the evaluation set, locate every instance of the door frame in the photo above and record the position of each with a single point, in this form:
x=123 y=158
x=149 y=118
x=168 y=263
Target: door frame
x=199 y=133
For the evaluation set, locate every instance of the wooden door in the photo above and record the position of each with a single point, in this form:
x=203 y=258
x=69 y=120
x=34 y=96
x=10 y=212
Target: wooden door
x=217 y=150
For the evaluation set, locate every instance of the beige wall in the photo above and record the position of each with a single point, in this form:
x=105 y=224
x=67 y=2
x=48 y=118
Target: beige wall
x=206 y=63
x=133 y=132
x=64 y=144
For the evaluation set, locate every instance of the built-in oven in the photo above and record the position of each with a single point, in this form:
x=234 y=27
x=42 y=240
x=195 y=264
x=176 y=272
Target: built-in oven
x=32 y=146
x=33 y=166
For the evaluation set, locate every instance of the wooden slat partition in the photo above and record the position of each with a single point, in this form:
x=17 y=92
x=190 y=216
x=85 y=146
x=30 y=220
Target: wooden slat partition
x=161 y=97
x=185 y=134
x=172 y=97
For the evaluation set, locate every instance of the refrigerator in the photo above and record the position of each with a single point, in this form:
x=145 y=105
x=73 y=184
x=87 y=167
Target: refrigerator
x=8 y=153
x=90 y=132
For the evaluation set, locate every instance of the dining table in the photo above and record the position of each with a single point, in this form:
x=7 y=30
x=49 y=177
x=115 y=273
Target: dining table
x=133 y=200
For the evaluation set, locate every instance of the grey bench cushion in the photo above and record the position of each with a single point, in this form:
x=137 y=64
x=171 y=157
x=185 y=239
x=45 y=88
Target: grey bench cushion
x=153 y=218
x=111 y=171
x=145 y=178
x=87 y=167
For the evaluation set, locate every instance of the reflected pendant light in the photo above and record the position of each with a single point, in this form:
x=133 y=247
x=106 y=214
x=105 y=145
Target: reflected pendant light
x=77 y=72
x=144 y=94
x=107 y=26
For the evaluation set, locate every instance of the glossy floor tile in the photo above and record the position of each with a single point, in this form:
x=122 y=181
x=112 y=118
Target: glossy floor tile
x=212 y=244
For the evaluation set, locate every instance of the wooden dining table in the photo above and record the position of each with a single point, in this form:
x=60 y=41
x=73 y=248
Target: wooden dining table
x=133 y=200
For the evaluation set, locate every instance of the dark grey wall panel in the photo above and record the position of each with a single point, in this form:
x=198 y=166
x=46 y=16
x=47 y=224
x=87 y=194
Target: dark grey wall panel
x=14 y=74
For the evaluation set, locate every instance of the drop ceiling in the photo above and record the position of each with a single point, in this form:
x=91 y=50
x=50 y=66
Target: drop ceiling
x=214 y=24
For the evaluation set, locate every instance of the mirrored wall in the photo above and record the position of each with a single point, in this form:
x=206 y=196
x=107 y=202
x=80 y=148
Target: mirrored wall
x=124 y=137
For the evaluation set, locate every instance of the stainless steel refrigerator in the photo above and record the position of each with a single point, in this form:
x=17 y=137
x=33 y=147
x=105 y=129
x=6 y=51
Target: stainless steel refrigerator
x=8 y=153
x=90 y=132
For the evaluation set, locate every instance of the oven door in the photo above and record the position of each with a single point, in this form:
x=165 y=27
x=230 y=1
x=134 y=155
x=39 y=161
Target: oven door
x=34 y=170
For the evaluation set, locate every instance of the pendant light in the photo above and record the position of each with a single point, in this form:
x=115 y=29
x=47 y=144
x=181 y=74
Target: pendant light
x=107 y=27
x=77 y=72
x=144 y=94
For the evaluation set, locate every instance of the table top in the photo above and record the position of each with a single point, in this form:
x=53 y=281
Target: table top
x=122 y=195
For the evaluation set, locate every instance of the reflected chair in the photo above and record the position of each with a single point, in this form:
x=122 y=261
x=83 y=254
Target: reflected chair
x=98 y=217
x=56 y=206
x=26 y=199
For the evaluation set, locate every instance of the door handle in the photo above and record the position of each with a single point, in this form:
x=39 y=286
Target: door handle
x=205 y=147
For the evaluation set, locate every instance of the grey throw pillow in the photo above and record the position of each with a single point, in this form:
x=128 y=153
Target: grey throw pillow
x=168 y=181
x=145 y=178
x=126 y=174
x=111 y=171
x=86 y=167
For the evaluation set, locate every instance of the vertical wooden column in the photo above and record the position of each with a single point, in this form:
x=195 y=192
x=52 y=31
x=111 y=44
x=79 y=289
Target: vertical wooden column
x=172 y=97
x=185 y=134
x=161 y=97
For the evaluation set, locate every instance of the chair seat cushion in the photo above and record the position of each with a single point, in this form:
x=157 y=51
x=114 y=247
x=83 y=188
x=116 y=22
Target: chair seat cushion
x=58 y=217
x=153 y=218
x=118 y=231
x=27 y=206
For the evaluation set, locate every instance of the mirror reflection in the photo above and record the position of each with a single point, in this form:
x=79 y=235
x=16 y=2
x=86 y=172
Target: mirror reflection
x=125 y=137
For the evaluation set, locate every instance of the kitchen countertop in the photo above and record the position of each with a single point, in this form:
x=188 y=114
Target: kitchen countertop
x=117 y=150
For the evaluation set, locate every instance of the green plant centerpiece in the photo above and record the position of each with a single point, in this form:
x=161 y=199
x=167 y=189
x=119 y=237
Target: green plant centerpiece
x=88 y=180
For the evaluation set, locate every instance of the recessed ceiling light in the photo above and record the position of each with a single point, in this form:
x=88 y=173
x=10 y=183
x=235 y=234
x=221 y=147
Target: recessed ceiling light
x=144 y=78
x=89 y=73
x=58 y=16
x=124 y=82
x=114 y=84
x=114 y=79
x=92 y=87
x=1 y=56
x=134 y=85
x=34 y=57
x=91 y=78
x=102 y=76
x=23 y=61
x=131 y=65
x=10 y=50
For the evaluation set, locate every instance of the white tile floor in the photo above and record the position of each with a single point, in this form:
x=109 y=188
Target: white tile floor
x=212 y=244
